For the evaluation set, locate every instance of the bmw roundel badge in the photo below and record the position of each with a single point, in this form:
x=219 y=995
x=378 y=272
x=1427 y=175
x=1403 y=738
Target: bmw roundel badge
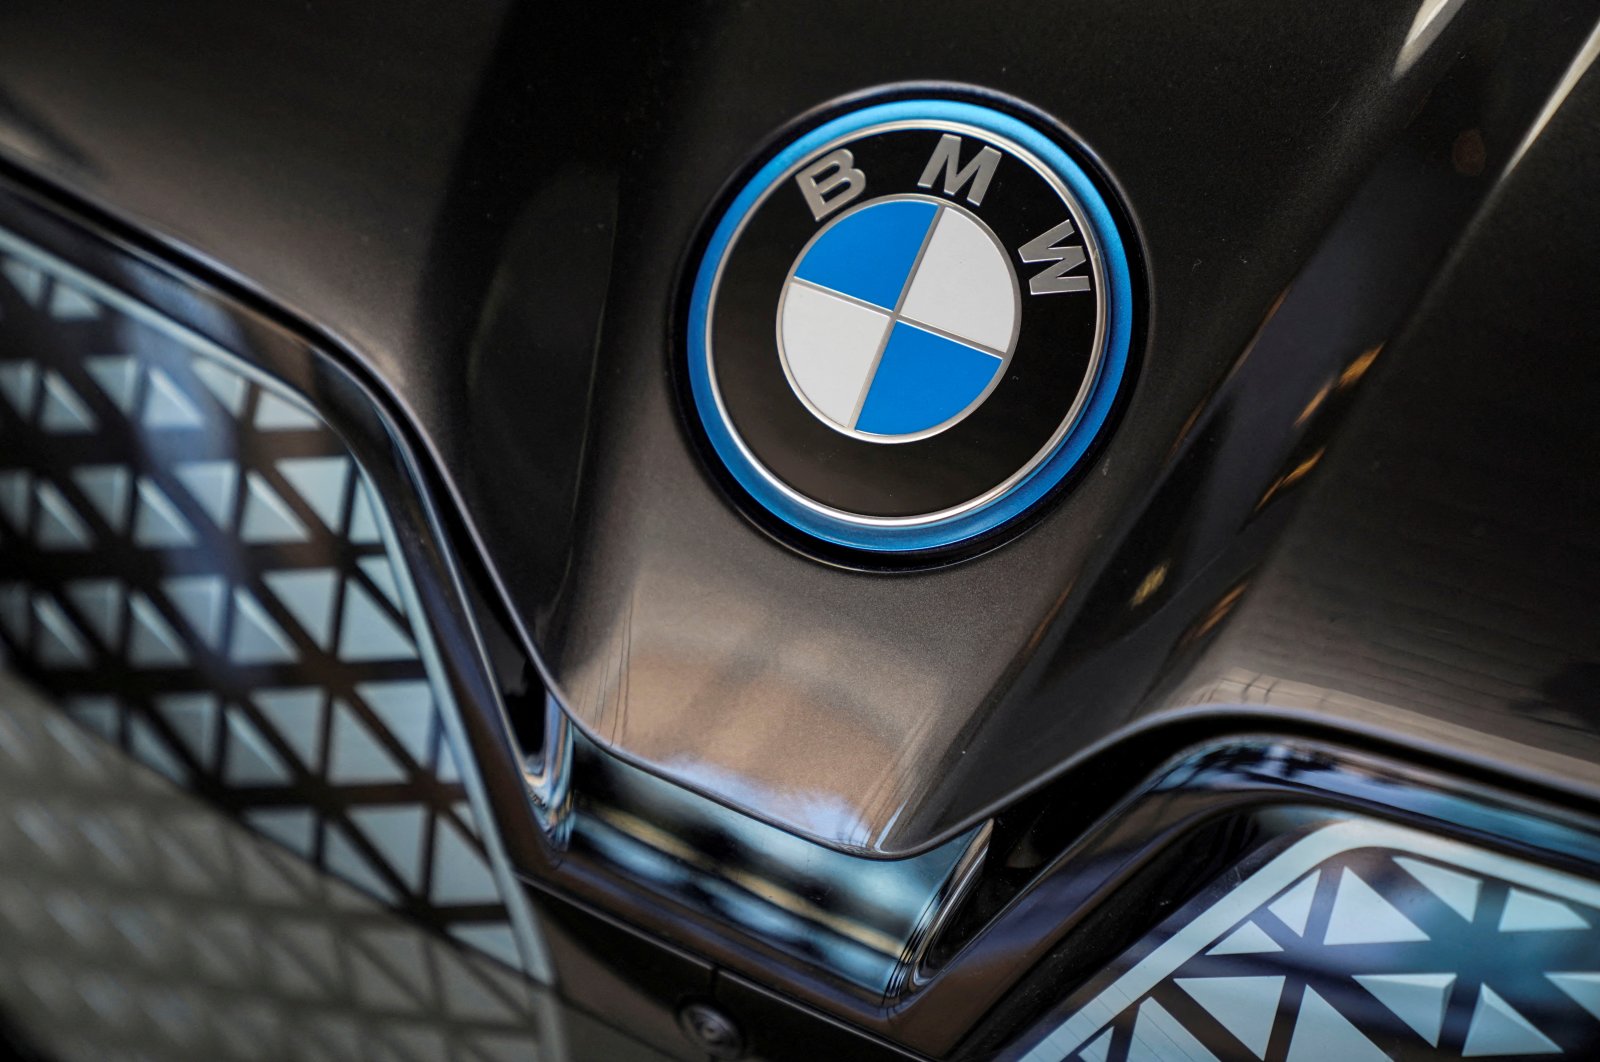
x=909 y=325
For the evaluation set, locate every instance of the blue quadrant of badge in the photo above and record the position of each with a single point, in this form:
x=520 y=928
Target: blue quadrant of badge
x=922 y=381
x=869 y=254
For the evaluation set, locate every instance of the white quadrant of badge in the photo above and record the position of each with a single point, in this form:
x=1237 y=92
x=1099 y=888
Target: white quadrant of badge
x=898 y=319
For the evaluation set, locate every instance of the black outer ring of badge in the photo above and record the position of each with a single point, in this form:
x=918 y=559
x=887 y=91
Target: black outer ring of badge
x=908 y=531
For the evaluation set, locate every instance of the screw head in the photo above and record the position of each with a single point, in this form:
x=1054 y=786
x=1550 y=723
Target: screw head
x=711 y=1030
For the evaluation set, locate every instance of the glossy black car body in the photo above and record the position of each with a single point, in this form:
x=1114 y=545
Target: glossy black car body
x=1337 y=554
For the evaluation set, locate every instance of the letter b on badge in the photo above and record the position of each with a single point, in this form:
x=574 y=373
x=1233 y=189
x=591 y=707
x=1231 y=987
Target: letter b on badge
x=831 y=182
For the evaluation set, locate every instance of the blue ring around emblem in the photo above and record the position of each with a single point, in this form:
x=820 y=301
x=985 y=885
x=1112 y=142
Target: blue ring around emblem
x=1048 y=472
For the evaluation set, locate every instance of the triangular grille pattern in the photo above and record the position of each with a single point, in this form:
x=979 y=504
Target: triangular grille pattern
x=1371 y=953
x=180 y=543
x=139 y=922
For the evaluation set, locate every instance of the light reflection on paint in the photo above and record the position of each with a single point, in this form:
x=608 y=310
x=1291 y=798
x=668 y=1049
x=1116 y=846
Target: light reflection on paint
x=862 y=919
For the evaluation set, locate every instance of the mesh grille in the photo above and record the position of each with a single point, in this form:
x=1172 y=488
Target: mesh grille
x=196 y=567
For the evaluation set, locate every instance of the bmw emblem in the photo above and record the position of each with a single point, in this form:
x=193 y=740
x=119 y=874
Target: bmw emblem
x=909 y=325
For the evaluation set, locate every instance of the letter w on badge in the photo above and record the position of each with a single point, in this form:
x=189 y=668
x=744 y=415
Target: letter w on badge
x=1064 y=257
